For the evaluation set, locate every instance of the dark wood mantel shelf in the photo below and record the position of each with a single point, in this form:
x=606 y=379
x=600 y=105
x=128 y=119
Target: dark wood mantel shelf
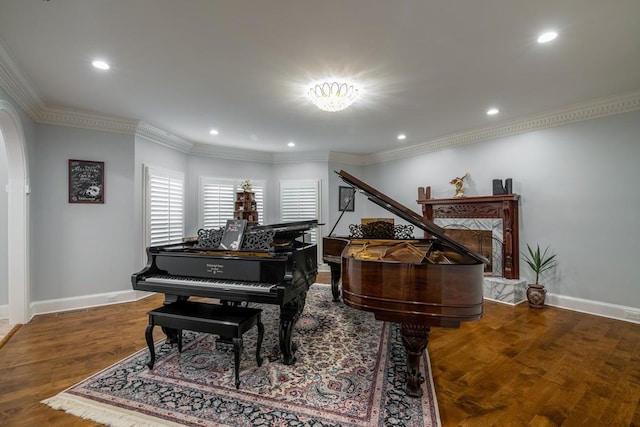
x=503 y=206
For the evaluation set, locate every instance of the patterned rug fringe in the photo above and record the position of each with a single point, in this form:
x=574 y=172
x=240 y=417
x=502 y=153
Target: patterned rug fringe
x=107 y=415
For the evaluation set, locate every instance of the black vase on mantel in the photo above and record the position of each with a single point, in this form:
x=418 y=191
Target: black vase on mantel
x=499 y=189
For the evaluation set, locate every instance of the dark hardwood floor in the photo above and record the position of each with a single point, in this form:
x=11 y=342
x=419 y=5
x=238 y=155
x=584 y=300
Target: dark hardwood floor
x=515 y=367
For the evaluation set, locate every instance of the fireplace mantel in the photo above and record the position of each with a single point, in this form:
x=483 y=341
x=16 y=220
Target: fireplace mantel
x=503 y=206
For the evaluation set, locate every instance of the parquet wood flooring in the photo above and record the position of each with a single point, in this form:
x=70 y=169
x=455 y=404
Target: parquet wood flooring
x=515 y=367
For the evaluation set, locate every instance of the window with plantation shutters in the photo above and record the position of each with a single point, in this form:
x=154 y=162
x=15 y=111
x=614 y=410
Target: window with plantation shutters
x=164 y=206
x=217 y=198
x=300 y=201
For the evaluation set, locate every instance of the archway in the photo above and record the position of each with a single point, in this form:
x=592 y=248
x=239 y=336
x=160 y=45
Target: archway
x=18 y=214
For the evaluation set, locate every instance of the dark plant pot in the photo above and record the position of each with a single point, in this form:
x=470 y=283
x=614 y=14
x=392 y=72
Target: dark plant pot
x=536 y=295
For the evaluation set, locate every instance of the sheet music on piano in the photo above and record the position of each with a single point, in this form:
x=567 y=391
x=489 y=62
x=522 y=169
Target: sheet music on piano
x=233 y=233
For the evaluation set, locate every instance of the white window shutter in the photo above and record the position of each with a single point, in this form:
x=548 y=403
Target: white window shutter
x=164 y=207
x=217 y=203
x=217 y=197
x=299 y=201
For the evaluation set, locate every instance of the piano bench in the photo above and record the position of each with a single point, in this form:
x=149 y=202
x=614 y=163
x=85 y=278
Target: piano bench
x=226 y=321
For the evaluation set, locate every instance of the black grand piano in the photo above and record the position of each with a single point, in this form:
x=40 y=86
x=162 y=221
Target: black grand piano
x=416 y=282
x=276 y=264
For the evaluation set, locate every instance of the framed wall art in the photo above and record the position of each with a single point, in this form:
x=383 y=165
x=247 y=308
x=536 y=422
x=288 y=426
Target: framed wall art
x=346 y=199
x=86 y=181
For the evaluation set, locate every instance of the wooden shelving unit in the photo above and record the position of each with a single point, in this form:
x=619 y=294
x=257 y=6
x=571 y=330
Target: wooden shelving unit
x=245 y=207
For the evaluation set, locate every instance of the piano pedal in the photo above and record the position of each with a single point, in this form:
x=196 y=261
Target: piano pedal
x=172 y=335
x=234 y=303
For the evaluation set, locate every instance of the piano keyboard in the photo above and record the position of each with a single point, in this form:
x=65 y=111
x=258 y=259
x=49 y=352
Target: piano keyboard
x=212 y=283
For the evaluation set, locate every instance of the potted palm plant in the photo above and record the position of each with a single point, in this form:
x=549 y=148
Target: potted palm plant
x=539 y=262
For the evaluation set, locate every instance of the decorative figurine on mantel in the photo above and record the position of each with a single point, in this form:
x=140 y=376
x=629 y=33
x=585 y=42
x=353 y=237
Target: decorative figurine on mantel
x=246 y=185
x=459 y=182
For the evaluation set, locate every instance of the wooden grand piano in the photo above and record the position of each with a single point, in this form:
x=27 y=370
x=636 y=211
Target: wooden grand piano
x=419 y=283
x=274 y=265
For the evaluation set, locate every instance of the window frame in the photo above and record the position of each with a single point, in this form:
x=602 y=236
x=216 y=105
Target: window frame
x=173 y=177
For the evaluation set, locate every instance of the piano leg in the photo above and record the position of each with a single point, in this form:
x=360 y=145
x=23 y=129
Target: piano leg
x=415 y=339
x=335 y=280
x=289 y=314
x=148 y=334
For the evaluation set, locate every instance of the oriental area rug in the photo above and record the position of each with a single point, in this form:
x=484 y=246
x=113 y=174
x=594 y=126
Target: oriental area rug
x=349 y=372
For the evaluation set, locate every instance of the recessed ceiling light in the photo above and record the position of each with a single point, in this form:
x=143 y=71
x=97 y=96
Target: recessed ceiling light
x=214 y=131
x=291 y=144
x=402 y=137
x=547 y=37
x=100 y=64
x=492 y=111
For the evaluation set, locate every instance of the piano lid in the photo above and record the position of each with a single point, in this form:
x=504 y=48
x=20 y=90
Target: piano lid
x=288 y=226
x=407 y=214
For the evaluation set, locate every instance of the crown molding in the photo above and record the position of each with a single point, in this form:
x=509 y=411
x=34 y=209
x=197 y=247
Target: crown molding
x=85 y=120
x=163 y=138
x=575 y=113
x=230 y=153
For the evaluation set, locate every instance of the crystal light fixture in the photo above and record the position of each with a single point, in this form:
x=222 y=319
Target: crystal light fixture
x=332 y=96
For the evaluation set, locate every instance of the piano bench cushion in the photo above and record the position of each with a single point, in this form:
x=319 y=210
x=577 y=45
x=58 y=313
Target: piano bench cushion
x=223 y=320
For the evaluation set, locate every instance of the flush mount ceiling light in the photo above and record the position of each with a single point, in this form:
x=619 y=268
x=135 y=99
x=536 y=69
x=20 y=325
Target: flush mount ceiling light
x=100 y=64
x=332 y=96
x=492 y=111
x=547 y=37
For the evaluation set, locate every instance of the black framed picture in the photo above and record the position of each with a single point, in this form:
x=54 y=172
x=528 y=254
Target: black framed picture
x=86 y=181
x=346 y=199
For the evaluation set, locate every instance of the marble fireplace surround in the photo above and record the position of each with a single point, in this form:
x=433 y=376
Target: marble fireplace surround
x=491 y=224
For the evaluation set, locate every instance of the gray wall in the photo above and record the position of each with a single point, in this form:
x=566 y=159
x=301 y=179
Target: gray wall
x=360 y=203
x=80 y=249
x=578 y=187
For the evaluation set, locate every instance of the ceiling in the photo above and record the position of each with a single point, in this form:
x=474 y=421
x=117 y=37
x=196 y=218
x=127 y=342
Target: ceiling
x=426 y=68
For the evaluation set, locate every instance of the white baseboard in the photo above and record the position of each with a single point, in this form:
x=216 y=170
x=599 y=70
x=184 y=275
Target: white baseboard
x=597 y=308
x=85 y=301
x=324 y=268
x=4 y=311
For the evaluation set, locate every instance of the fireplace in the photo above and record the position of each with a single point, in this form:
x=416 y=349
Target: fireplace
x=479 y=241
x=496 y=213
x=489 y=226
